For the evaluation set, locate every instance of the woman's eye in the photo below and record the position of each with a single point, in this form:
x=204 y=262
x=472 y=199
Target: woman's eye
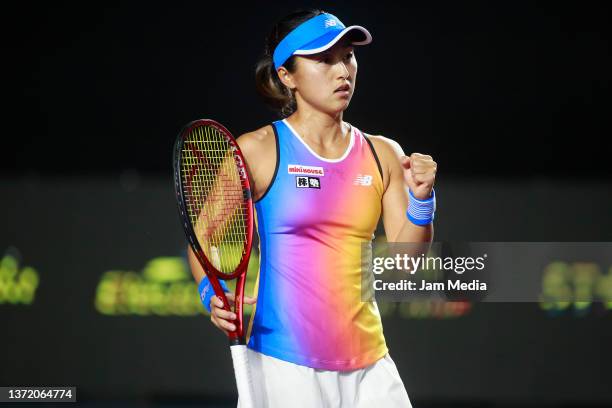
x=328 y=59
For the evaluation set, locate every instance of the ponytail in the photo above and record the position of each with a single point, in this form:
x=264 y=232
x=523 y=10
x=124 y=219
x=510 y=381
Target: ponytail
x=273 y=92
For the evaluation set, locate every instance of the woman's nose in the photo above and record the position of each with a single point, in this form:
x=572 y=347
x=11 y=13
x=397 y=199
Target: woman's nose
x=344 y=72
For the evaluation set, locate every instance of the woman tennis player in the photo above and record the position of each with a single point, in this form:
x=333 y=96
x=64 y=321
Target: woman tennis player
x=320 y=186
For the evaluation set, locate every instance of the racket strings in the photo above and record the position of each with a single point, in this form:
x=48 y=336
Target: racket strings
x=214 y=197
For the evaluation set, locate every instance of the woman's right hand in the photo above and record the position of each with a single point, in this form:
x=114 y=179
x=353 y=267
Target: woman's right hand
x=222 y=318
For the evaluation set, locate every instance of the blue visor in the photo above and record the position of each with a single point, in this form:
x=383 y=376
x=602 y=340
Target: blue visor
x=314 y=36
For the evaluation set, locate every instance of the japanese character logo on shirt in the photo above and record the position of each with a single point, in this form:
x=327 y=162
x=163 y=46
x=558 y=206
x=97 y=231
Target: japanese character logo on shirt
x=307 y=182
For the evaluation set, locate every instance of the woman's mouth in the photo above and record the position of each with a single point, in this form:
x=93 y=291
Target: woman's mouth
x=343 y=90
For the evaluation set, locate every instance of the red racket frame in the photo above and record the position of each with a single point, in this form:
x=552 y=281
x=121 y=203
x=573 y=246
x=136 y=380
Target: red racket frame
x=237 y=336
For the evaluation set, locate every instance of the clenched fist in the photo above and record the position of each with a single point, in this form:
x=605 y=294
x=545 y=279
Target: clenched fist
x=419 y=174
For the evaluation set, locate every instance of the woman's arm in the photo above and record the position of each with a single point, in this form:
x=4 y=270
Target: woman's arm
x=196 y=269
x=259 y=151
x=400 y=172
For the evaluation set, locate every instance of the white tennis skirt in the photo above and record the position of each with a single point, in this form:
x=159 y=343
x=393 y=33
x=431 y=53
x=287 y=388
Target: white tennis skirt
x=281 y=384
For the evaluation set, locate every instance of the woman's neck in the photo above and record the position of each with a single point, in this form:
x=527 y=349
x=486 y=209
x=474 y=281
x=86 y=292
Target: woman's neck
x=319 y=128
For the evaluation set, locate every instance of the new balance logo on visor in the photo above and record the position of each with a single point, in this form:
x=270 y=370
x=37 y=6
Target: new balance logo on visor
x=307 y=170
x=330 y=23
x=363 y=180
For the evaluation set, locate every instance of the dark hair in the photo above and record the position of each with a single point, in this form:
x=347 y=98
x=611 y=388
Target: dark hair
x=274 y=93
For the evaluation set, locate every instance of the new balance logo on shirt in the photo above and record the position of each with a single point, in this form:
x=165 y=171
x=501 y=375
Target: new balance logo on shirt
x=363 y=180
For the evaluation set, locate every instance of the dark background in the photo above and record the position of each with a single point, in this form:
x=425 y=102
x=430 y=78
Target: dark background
x=512 y=101
x=508 y=90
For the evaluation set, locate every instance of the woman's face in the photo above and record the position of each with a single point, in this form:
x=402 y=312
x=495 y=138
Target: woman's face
x=317 y=78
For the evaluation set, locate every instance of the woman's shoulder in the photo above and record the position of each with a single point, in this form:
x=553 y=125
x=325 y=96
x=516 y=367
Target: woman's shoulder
x=262 y=134
x=259 y=150
x=258 y=139
x=384 y=146
x=388 y=151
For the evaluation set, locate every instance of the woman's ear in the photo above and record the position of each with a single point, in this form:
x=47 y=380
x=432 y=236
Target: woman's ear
x=285 y=77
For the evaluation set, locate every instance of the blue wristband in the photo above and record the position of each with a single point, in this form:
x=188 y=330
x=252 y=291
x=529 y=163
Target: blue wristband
x=421 y=212
x=206 y=291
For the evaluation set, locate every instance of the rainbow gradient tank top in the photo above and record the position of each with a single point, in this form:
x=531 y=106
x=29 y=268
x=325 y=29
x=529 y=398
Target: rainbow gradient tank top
x=311 y=222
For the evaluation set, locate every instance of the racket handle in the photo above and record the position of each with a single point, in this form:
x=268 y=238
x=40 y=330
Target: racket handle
x=243 y=376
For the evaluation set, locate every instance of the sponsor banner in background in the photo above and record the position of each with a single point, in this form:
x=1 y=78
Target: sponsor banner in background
x=18 y=283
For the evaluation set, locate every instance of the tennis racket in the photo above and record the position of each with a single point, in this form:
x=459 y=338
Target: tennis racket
x=216 y=210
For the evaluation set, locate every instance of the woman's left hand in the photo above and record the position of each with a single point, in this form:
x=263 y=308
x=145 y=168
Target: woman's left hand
x=419 y=174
